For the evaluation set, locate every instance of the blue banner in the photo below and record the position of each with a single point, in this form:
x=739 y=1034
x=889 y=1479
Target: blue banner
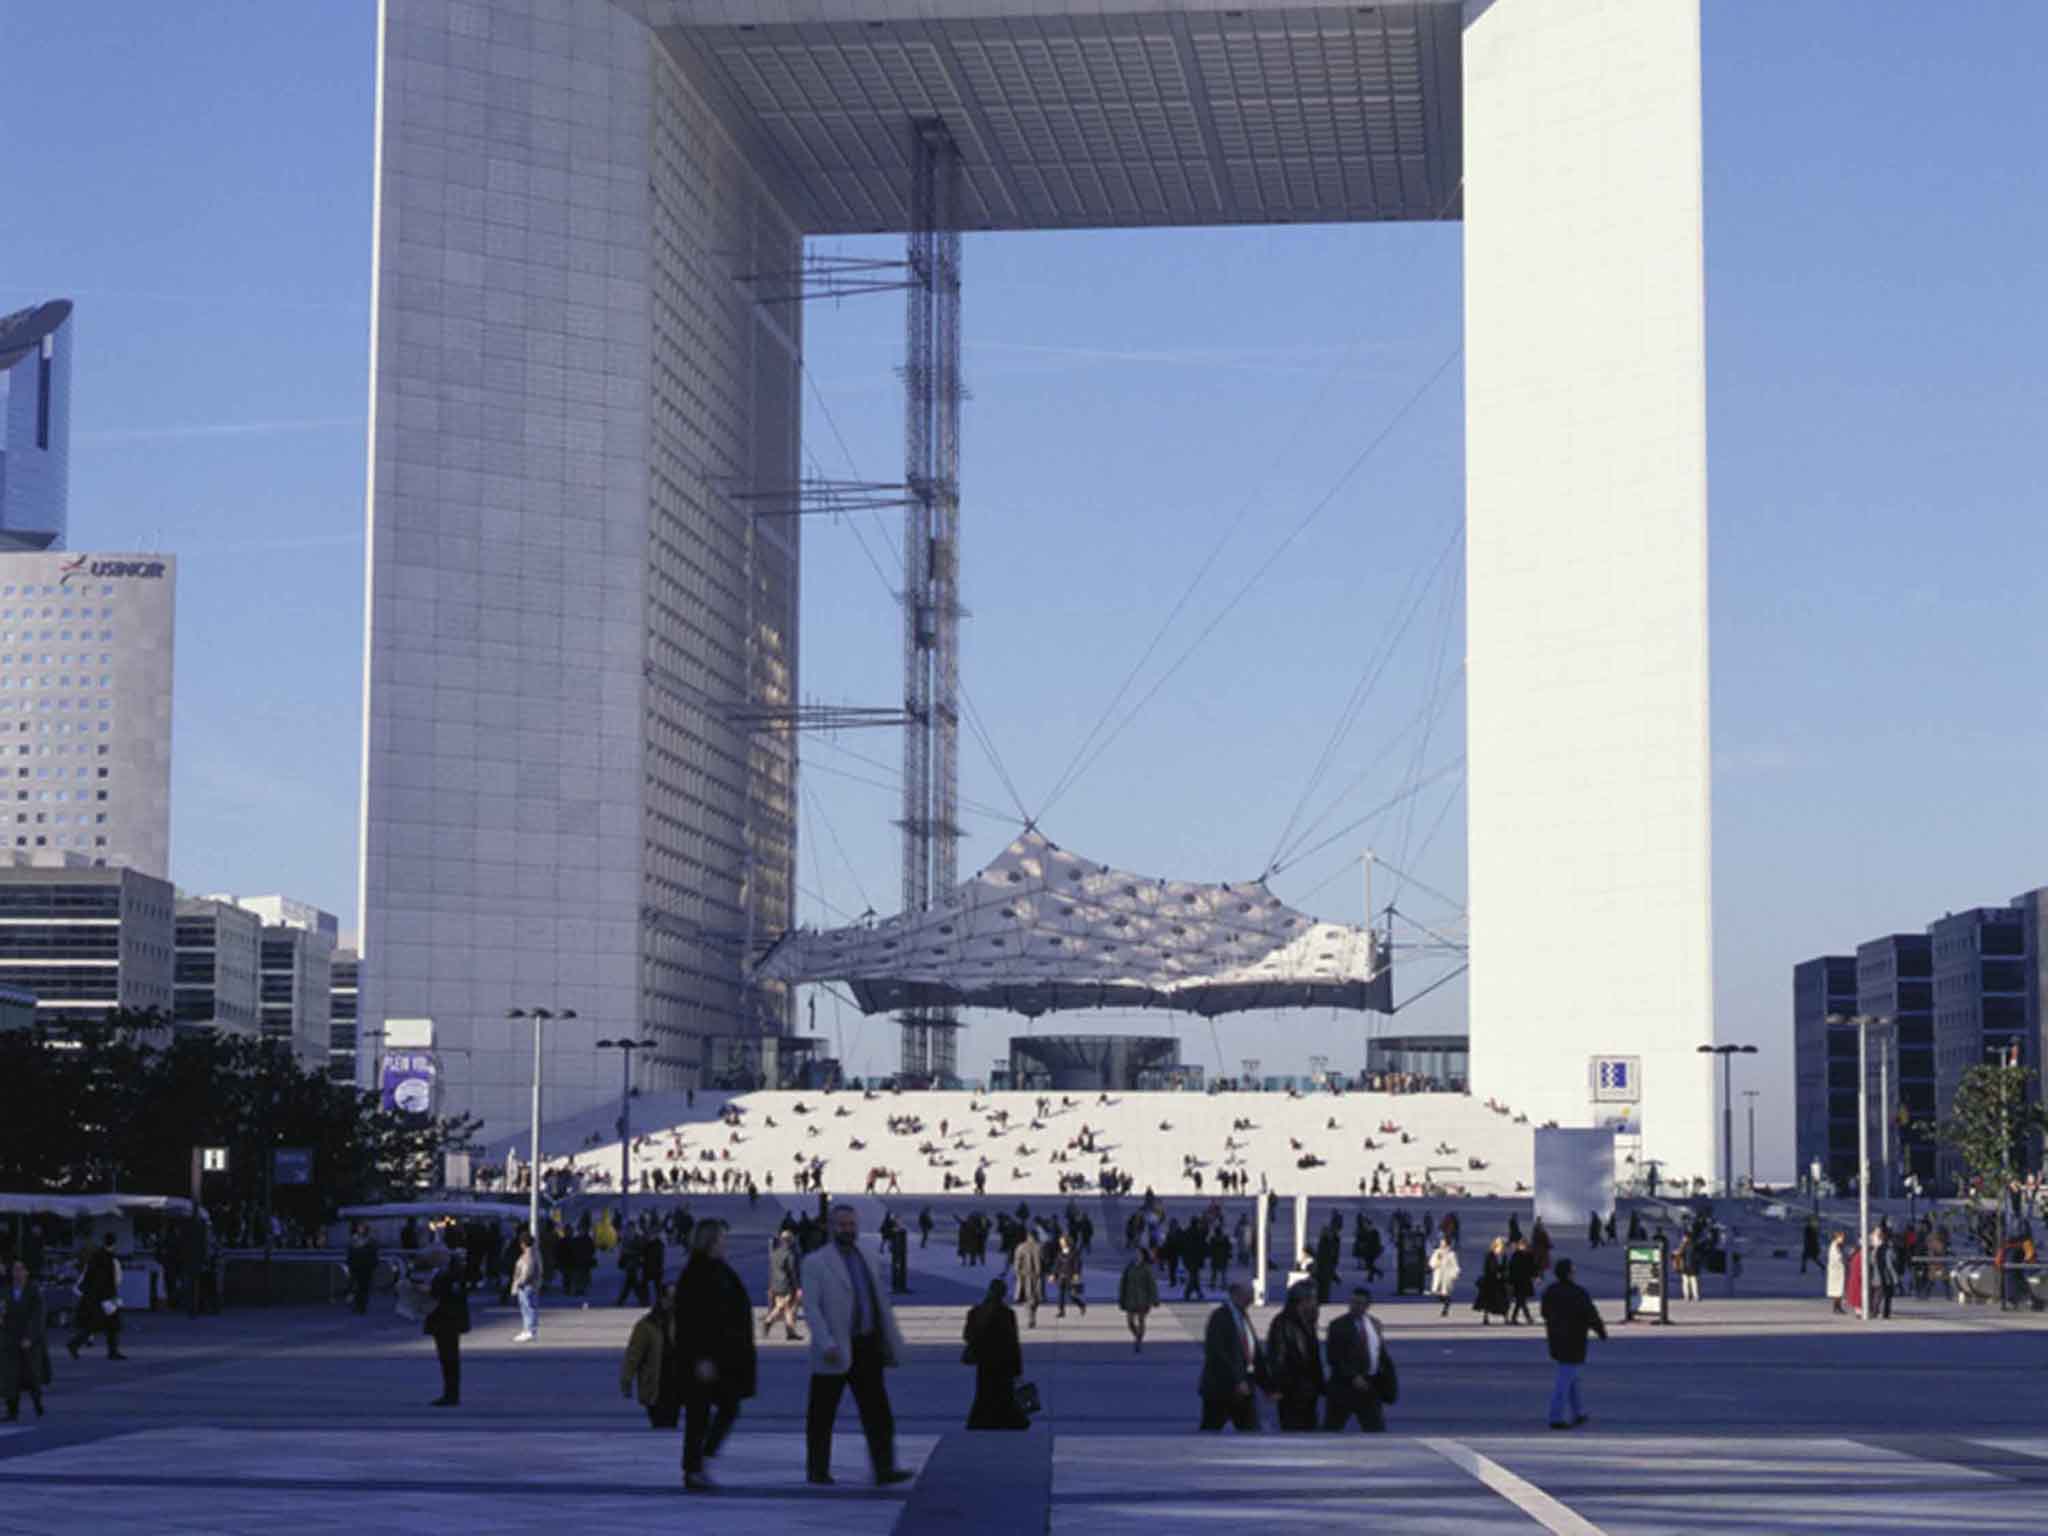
x=409 y=1082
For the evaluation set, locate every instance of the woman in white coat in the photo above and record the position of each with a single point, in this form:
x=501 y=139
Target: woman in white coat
x=1443 y=1272
x=1838 y=1271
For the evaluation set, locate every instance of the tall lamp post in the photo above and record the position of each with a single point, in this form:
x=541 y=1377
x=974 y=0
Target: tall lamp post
x=626 y=1048
x=539 y=1016
x=1864 y=1023
x=1750 y=1094
x=1727 y=1053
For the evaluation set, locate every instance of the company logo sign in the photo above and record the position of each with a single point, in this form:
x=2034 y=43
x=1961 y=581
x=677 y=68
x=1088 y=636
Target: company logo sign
x=1617 y=1079
x=131 y=570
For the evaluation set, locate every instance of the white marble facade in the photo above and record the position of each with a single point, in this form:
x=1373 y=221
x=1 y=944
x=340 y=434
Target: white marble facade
x=518 y=557
x=1586 y=539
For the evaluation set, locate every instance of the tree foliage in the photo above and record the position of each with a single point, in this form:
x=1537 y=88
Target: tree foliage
x=123 y=1104
x=1994 y=1124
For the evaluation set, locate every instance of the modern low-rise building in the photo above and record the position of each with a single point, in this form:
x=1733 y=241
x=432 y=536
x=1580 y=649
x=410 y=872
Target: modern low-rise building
x=85 y=940
x=1980 y=1002
x=1824 y=1055
x=1894 y=981
x=294 y=975
x=1968 y=991
x=218 y=954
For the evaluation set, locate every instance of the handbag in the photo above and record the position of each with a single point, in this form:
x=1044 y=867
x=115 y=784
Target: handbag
x=1027 y=1398
x=1386 y=1381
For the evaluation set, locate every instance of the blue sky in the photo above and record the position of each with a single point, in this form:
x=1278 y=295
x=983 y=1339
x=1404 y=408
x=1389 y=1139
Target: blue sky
x=197 y=177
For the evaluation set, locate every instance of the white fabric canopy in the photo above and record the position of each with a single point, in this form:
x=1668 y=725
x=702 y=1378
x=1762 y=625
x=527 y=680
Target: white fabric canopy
x=1041 y=929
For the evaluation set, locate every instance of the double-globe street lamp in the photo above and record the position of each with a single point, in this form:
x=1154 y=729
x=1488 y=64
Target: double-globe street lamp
x=626 y=1048
x=1727 y=1053
x=539 y=1016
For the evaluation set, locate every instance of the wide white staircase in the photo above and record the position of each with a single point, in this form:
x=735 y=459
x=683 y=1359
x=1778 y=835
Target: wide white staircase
x=1145 y=1135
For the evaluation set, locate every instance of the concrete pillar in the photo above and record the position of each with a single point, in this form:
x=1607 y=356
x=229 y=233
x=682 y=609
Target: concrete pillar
x=1587 y=560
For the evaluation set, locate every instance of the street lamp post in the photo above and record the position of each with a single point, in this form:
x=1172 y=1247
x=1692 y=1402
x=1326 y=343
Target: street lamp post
x=1727 y=1053
x=626 y=1048
x=1863 y=1023
x=1750 y=1094
x=539 y=1016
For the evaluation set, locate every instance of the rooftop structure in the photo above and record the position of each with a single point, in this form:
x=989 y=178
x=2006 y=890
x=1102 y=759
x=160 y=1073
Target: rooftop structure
x=1043 y=929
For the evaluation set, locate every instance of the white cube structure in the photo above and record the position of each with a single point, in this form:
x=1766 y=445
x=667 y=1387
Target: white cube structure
x=591 y=217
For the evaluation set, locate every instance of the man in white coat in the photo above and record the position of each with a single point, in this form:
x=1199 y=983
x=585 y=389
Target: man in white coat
x=853 y=1339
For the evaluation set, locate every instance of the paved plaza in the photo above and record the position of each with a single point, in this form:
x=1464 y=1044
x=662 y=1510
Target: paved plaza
x=1760 y=1413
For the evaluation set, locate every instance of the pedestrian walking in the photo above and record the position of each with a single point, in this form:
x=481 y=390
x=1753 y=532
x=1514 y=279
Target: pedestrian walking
x=1027 y=1262
x=1137 y=1293
x=1067 y=1275
x=1688 y=1257
x=1362 y=1378
x=1809 y=1245
x=631 y=1245
x=1837 y=1270
x=1233 y=1365
x=924 y=1227
x=445 y=1323
x=854 y=1339
x=362 y=1266
x=526 y=1283
x=1294 y=1358
x=1443 y=1273
x=1491 y=1300
x=783 y=1294
x=1883 y=1271
x=99 y=1301
x=24 y=1342
x=651 y=1368
x=1521 y=1281
x=1593 y=1230
x=714 y=1347
x=1568 y=1317
x=993 y=1349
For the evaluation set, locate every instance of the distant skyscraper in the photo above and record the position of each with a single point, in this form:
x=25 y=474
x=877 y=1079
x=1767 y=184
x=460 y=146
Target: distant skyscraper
x=35 y=425
x=85 y=706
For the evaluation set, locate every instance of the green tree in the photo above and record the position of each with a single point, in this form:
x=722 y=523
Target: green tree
x=122 y=1103
x=1995 y=1125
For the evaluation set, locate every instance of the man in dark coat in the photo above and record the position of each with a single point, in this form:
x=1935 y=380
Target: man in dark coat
x=445 y=1323
x=654 y=1265
x=24 y=1343
x=1358 y=1364
x=99 y=1301
x=362 y=1266
x=1294 y=1362
x=998 y=1360
x=715 y=1349
x=1521 y=1282
x=1233 y=1365
x=1568 y=1317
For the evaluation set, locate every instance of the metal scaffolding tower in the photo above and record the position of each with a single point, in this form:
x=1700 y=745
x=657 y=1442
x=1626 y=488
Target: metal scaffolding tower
x=931 y=545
